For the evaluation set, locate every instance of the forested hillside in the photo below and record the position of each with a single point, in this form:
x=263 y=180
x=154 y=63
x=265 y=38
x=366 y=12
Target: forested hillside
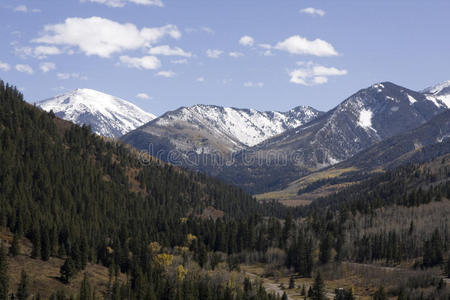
x=71 y=194
x=165 y=233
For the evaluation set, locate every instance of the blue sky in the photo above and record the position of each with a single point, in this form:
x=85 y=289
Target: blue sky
x=262 y=54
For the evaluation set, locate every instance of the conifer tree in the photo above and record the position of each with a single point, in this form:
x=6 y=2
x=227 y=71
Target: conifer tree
x=22 y=288
x=318 y=289
x=4 y=278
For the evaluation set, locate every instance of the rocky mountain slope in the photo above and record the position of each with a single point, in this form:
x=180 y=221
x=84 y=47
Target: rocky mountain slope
x=419 y=145
x=368 y=117
x=209 y=129
x=107 y=115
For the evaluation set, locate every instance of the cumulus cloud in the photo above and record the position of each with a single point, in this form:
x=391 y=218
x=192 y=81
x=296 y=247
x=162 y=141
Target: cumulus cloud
x=166 y=74
x=122 y=3
x=145 y=62
x=236 y=54
x=300 y=45
x=214 y=53
x=246 y=41
x=143 y=96
x=168 y=51
x=103 y=37
x=313 y=11
x=65 y=76
x=312 y=74
x=25 y=69
x=250 y=84
x=4 y=66
x=47 y=66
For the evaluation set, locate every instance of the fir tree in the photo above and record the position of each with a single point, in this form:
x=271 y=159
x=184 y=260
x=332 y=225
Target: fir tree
x=318 y=289
x=4 y=278
x=68 y=270
x=291 y=282
x=22 y=288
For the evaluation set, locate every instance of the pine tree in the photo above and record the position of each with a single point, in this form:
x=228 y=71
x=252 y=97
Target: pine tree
x=68 y=270
x=291 y=282
x=14 y=250
x=4 y=278
x=325 y=249
x=318 y=289
x=22 y=288
x=85 y=289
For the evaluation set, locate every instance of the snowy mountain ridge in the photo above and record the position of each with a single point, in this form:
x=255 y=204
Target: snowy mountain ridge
x=206 y=129
x=107 y=115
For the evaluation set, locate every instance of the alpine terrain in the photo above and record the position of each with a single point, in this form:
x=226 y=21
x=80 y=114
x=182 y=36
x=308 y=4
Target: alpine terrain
x=209 y=129
x=369 y=116
x=107 y=115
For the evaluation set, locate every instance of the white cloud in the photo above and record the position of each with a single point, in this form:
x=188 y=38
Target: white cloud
x=168 y=51
x=145 y=62
x=180 y=61
x=236 y=54
x=246 y=41
x=313 y=11
x=4 y=66
x=312 y=74
x=24 y=9
x=300 y=45
x=43 y=51
x=47 y=66
x=143 y=96
x=21 y=8
x=25 y=69
x=268 y=49
x=39 y=52
x=200 y=79
x=64 y=76
x=103 y=37
x=122 y=3
x=166 y=74
x=250 y=84
x=202 y=29
x=214 y=53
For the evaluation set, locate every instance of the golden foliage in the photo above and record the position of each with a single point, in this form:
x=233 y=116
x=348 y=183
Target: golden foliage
x=181 y=273
x=154 y=247
x=164 y=260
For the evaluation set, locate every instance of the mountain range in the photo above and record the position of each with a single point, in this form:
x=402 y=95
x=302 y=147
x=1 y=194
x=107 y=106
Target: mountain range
x=260 y=151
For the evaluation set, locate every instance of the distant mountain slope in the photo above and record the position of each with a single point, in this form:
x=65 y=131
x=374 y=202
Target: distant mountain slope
x=107 y=115
x=419 y=145
x=206 y=129
x=369 y=116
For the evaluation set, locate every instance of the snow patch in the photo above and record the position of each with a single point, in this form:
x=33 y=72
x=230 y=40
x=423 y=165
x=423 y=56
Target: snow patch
x=365 y=119
x=411 y=99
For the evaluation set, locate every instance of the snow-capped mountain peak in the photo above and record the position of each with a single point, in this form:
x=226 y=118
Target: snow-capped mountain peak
x=107 y=115
x=439 y=93
x=210 y=128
